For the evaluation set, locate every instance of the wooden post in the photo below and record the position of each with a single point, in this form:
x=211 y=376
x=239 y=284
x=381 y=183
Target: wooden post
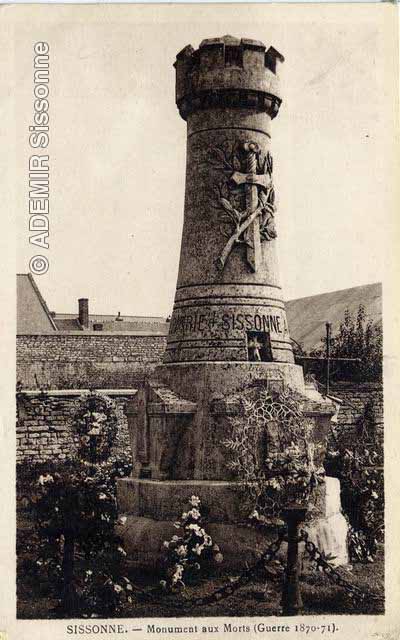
x=68 y=600
x=328 y=356
x=291 y=595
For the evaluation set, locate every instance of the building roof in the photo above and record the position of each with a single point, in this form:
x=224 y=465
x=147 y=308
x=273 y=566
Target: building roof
x=113 y=323
x=307 y=316
x=33 y=315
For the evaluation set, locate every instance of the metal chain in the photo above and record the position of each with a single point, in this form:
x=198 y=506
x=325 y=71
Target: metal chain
x=268 y=555
x=228 y=589
x=333 y=574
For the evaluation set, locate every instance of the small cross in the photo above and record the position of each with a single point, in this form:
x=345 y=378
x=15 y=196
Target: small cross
x=328 y=359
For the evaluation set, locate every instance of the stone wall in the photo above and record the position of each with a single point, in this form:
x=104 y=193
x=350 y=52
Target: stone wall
x=94 y=360
x=44 y=428
x=44 y=420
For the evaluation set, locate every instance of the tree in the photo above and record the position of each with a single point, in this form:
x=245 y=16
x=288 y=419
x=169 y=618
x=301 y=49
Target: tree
x=357 y=337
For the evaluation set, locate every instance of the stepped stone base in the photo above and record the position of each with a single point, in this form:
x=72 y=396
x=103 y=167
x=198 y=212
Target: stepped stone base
x=144 y=537
x=151 y=507
x=167 y=499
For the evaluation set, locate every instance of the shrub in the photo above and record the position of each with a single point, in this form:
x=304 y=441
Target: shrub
x=360 y=472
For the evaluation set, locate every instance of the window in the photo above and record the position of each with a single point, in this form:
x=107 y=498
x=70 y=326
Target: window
x=233 y=56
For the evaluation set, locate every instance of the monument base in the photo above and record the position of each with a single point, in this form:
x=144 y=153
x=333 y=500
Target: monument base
x=178 y=423
x=144 y=538
x=151 y=507
x=198 y=381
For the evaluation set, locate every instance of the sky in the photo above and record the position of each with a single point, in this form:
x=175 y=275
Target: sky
x=117 y=151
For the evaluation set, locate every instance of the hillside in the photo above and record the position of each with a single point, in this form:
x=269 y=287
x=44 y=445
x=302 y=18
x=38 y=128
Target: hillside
x=307 y=316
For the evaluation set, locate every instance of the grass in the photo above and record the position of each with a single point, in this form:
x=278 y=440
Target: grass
x=37 y=599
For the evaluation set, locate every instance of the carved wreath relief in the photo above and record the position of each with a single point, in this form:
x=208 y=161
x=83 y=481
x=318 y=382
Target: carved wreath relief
x=246 y=198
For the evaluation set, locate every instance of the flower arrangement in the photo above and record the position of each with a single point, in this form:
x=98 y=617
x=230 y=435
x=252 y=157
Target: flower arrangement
x=96 y=424
x=186 y=551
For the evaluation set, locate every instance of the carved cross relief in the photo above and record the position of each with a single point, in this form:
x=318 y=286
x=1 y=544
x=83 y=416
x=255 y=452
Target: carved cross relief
x=246 y=198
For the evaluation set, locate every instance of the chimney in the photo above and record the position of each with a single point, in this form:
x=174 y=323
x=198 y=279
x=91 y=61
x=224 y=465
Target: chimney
x=84 y=312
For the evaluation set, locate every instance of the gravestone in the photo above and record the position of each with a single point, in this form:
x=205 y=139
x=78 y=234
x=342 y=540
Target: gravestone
x=228 y=329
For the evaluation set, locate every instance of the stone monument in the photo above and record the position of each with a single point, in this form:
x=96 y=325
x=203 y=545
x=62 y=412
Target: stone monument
x=228 y=328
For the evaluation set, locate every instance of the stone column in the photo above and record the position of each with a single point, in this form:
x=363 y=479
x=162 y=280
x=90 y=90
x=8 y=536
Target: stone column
x=229 y=303
x=228 y=327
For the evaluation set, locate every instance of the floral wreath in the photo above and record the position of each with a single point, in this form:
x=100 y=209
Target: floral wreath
x=95 y=423
x=288 y=473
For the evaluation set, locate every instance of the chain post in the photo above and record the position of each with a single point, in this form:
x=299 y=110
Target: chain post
x=291 y=595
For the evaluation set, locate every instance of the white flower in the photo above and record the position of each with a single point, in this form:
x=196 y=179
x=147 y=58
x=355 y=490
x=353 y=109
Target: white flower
x=163 y=583
x=118 y=588
x=175 y=538
x=194 y=527
x=94 y=431
x=102 y=496
x=122 y=551
x=182 y=550
x=166 y=544
x=44 y=479
x=374 y=495
x=178 y=573
x=198 y=549
x=194 y=513
x=194 y=501
x=123 y=519
x=184 y=515
x=89 y=572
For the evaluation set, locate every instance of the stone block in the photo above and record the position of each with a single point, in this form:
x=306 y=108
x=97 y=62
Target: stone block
x=166 y=500
x=143 y=541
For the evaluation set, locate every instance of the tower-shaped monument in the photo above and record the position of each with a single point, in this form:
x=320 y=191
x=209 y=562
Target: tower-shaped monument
x=228 y=304
x=228 y=328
